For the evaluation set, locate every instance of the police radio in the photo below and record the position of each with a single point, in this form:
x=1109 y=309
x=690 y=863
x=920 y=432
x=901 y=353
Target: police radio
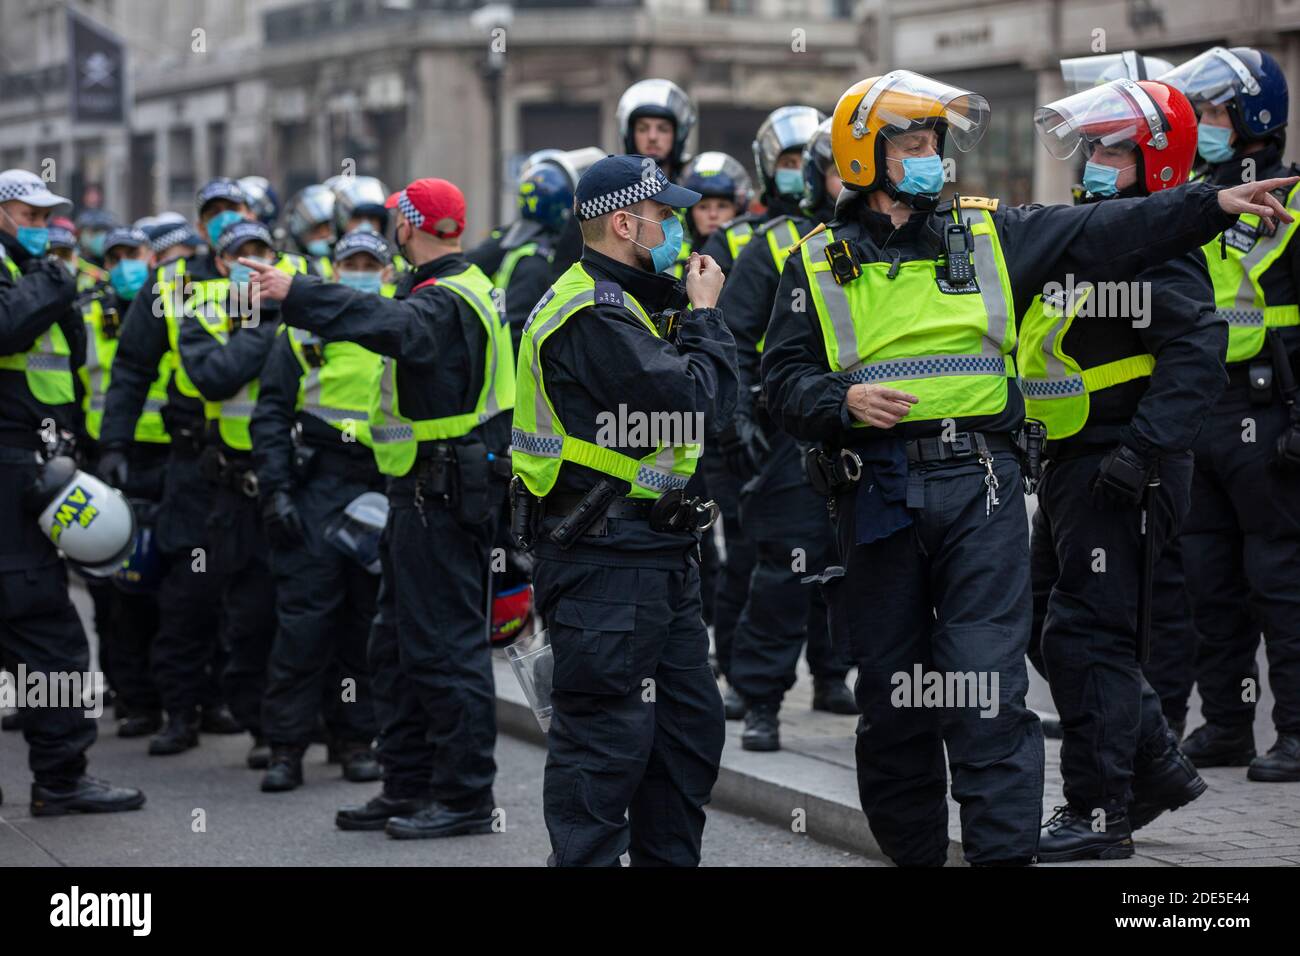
x=957 y=246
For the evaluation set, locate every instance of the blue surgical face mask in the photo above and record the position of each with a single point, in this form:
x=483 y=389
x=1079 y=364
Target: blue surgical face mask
x=1101 y=180
x=1212 y=143
x=789 y=182
x=922 y=175
x=241 y=274
x=128 y=277
x=219 y=222
x=318 y=247
x=665 y=254
x=365 y=225
x=362 y=281
x=35 y=239
x=94 y=244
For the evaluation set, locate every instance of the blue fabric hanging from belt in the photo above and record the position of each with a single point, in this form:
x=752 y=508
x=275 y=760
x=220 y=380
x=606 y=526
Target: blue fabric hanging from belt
x=880 y=509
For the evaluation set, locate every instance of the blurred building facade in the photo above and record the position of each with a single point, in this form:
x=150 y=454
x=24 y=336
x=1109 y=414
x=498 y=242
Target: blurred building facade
x=298 y=91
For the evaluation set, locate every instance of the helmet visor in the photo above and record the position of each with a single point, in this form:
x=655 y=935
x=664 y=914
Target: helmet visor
x=1084 y=72
x=904 y=102
x=1114 y=114
x=788 y=128
x=1215 y=76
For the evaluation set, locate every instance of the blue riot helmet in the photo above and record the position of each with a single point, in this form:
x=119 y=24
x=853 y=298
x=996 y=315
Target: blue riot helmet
x=1249 y=81
x=142 y=572
x=546 y=196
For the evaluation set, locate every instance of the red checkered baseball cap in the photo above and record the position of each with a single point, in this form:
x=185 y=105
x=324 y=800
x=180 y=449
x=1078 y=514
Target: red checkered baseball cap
x=434 y=206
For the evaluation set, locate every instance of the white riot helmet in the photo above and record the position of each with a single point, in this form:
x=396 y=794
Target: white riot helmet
x=356 y=530
x=309 y=208
x=662 y=98
x=359 y=196
x=787 y=128
x=89 y=521
x=574 y=162
x=1084 y=72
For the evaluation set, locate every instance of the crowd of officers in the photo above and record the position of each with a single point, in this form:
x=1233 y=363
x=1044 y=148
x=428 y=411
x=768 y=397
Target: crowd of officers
x=881 y=376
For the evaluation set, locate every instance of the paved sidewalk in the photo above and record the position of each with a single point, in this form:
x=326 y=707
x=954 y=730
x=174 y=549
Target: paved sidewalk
x=811 y=782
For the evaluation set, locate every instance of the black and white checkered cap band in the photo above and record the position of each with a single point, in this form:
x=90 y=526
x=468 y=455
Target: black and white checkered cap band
x=21 y=189
x=622 y=198
x=413 y=215
x=173 y=237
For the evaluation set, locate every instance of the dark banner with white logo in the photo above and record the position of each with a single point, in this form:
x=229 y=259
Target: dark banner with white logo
x=97 y=72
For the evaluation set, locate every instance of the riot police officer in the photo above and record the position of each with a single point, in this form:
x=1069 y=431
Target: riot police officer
x=902 y=371
x=41 y=343
x=311 y=447
x=779 y=509
x=311 y=225
x=655 y=118
x=637 y=726
x=93 y=227
x=439 y=433
x=1243 y=532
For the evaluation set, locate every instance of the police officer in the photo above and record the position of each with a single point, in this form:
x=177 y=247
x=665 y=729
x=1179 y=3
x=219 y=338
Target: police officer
x=778 y=160
x=223 y=343
x=186 y=658
x=311 y=446
x=41 y=342
x=439 y=434
x=902 y=370
x=311 y=225
x=262 y=199
x=1243 y=533
x=637 y=726
x=780 y=511
x=655 y=117
x=93 y=227
x=171 y=241
x=63 y=243
x=1121 y=388
x=125 y=621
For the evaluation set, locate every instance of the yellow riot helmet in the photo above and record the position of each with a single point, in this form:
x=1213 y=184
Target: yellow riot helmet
x=881 y=108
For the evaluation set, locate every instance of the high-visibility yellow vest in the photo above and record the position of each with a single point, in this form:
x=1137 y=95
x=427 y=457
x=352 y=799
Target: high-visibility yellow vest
x=89 y=275
x=101 y=347
x=952 y=350
x=1238 y=296
x=501 y=278
x=737 y=236
x=340 y=380
x=781 y=234
x=540 y=443
x=396 y=438
x=47 y=364
x=325 y=267
x=1056 y=387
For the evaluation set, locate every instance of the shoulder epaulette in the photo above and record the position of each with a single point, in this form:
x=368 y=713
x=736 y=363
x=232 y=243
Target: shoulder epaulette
x=608 y=293
x=978 y=202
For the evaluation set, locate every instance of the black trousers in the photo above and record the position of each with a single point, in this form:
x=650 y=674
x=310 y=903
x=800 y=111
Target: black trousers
x=950 y=596
x=135 y=624
x=1171 y=668
x=186 y=654
x=782 y=614
x=240 y=557
x=40 y=629
x=1242 y=554
x=637 y=727
x=325 y=605
x=430 y=664
x=1087 y=561
x=731 y=583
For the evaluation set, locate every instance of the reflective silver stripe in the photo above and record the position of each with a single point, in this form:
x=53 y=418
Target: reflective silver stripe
x=237 y=409
x=837 y=303
x=541 y=411
x=1242 y=317
x=927 y=366
x=97 y=403
x=47 y=362
x=491 y=322
x=384 y=434
x=1056 y=370
x=1263 y=246
x=150 y=404
x=327 y=414
x=989 y=279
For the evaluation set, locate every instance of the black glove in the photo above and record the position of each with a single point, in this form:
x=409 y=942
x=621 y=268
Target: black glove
x=1121 y=478
x=281 y=521
x=113 y=468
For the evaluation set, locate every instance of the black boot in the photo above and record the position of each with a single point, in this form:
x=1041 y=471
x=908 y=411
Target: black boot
x=219 y=720
x=762 y=727
x=85 y=795
x=1213 y=745
x=179 y=734
x=284 y=771
x=831 y=695
x=140 y=725
x=259 y=755
x=1162 y=780
x=12 y=721
x=443 y=820
x=733 y=705
x=360 y=763
x=1069 y=835
x=1280 y=765
x=375 y=813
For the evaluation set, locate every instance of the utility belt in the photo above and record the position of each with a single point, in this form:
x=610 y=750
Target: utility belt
x=588 y=515
x=1256 y=378
x=310 y=459
x=234 y=472
x=186 y=431
x=462 y=476
x=833 y=472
